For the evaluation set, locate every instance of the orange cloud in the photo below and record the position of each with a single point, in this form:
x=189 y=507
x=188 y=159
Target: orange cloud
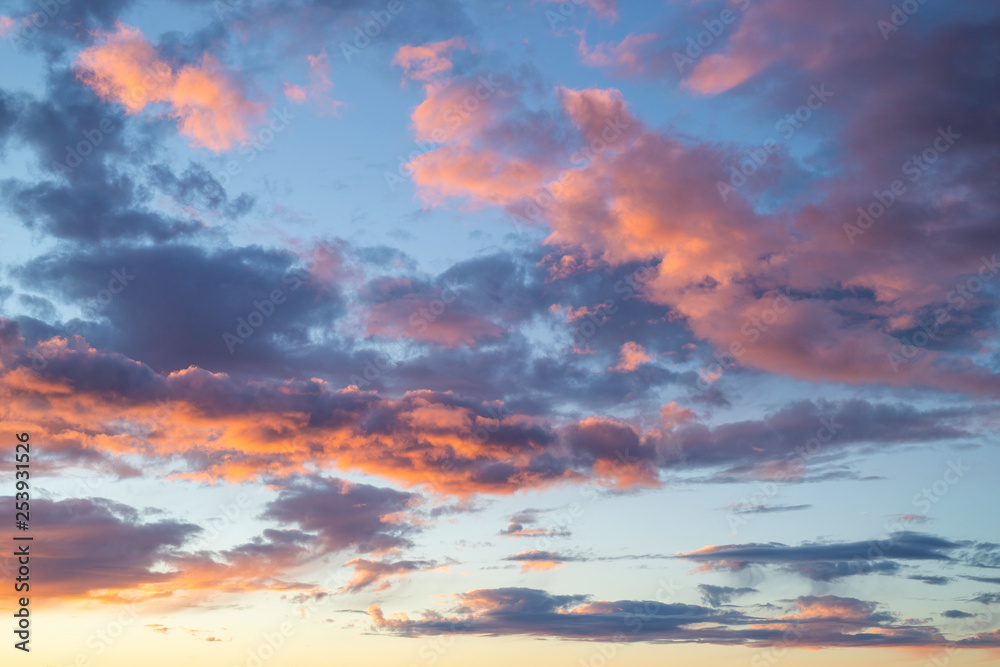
x=632 y=194
x=423 y=438
x=633 y=355
x=207 y=102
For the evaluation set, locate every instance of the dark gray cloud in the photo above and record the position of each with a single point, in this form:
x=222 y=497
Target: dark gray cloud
x=816 y=621
x=181 y=301
x=715 y=596
x=765 y=509
x=987 y=598
x=345 y=514
x=95 y=544
x=831 y=561
x=525 y=522
x=372 y=573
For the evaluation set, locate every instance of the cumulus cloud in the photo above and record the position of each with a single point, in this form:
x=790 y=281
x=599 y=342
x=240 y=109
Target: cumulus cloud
x=208 y=102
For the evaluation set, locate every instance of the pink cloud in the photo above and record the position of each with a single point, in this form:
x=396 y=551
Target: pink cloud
x=208 y=102
x=633 y=355
x=7 y=26
x=630 y=57
x=426 y=61
x=318 y=88
x=635 y=194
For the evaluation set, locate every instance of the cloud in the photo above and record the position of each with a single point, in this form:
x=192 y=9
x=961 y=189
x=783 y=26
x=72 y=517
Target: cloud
x=633 y=355
x=830 y=561
x=370 y=518
x=540 y=560
x=318 y=88
x=369 y=573
x=987 y=598
x=724 y=265
x=628 y=58
x=208 y=103
x=520 y=526
x=427 y=61
x=759 y=508
x=815 y=621
x=715 y=596
x=99 y=548
x=214 y=425
x=955 y=613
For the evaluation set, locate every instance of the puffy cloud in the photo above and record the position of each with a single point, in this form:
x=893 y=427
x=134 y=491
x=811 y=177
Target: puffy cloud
x=215 y=425
x=100 y=548
x=370 y=518
x=788 y=293
x=633 y=355
x=208 y=103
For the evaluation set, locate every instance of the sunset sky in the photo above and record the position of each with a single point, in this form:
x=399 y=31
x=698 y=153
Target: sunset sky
x=404 y=333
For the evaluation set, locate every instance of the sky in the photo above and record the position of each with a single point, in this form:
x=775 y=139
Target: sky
x=403 y=333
